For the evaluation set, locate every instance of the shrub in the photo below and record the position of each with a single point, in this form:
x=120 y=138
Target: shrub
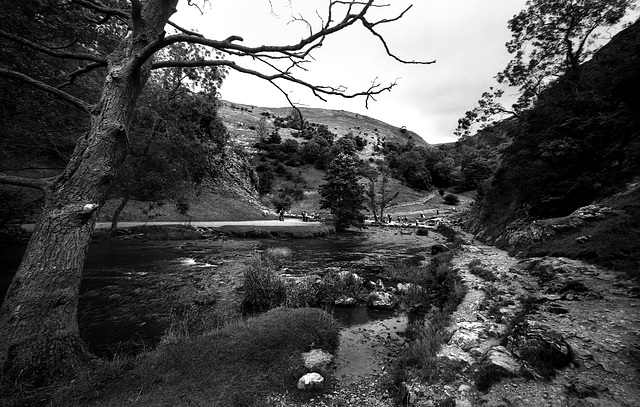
x=439 y=290
x=451 y=199
x=262 y=286
x=478 y=269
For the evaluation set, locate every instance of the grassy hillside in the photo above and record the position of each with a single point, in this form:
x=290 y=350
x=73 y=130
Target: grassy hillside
x=242 y=122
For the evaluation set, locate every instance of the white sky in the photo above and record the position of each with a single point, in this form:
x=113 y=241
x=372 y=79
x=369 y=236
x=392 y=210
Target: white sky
x=465 y=37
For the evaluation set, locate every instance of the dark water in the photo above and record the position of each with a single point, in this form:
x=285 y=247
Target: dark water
x=129 y=289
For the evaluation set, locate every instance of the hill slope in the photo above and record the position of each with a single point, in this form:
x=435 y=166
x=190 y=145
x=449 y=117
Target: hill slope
x=580 y=145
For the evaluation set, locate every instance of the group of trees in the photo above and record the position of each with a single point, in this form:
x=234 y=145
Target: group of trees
x=572 y=137
x=176 y=141
x=550 y=39
x=115 y=44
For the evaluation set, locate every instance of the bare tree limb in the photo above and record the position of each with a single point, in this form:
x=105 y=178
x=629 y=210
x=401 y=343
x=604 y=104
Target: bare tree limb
x=50 y=51
x=371 y=27
x=317 y=90
x=81 y=71
x=79 y=103
x=101 y=8
x=184 y=30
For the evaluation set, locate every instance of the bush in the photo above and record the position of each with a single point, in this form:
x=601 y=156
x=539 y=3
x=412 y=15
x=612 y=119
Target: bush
x=478 y=269
x=262 y=286
x=451 y=199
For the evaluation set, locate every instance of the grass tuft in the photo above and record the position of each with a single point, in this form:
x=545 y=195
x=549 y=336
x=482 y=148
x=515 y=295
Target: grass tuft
x=238 y=364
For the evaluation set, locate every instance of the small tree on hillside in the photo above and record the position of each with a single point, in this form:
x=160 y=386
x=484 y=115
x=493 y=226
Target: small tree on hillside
x=378 y=192
x=342 y=193
x=262 y=130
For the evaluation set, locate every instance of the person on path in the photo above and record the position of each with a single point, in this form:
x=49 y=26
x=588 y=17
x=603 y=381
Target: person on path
x=281 y=214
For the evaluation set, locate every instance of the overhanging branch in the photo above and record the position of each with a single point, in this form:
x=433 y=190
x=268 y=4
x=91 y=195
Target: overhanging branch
x=79 y=103
x=50 y=51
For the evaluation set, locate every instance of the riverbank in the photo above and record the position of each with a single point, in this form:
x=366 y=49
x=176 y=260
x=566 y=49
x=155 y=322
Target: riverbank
x=130 y=286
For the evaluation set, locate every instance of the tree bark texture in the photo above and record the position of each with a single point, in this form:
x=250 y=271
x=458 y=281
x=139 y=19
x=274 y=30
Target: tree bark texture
x=39 y=336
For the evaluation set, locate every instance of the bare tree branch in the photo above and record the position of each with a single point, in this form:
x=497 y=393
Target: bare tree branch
x=371 y=27
x=50 y=51
x=79 y=103
x=101 y=8
x=184 y=30
x=81 y=71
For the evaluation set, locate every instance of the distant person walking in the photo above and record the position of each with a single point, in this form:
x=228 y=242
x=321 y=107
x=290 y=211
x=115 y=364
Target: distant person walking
x=281 y=214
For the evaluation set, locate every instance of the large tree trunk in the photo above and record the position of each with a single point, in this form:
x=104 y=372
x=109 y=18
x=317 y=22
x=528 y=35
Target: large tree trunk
x=39 y=336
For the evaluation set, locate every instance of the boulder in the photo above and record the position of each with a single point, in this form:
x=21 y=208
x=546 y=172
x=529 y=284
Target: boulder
x=316 y=359
x=497 y=363
x=467 y=335
x=502 y=359
x=541 y=349
x=310 y=381
x=382 y=300
x=345 y=301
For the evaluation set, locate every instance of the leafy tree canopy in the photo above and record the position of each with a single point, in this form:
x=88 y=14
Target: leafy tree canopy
x=549 y=38
x=342 y=192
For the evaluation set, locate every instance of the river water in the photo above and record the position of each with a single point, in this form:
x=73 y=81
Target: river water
x=130 y=289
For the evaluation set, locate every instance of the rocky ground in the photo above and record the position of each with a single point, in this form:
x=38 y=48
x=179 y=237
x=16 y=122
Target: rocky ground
x=585 y=319
x=530 y=332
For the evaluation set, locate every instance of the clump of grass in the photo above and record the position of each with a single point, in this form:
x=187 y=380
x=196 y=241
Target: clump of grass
x=263 y=288
x=238 y=364
x=480 y=270
x=439 y=289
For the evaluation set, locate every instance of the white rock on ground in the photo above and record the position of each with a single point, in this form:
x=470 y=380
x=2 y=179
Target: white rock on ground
x=316 y=359
x=310 y=381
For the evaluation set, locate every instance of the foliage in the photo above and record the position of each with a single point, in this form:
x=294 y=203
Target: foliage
x=436 y=292
x=478 y=269
x=262 y=287
x=174 y=141
x=549 y=38
x=579 y=142
x=281 y=202
x=342 y=192
x=239 y=363
x=419 y=167
x=451 y=199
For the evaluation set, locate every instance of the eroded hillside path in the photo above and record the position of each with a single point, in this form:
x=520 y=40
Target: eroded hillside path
x=596 y=311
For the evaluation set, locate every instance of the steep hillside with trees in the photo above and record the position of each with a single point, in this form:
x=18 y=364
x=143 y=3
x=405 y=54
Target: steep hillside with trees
x=578 y=145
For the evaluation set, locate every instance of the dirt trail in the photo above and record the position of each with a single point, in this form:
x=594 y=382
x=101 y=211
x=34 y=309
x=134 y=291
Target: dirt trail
x=596 y=311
